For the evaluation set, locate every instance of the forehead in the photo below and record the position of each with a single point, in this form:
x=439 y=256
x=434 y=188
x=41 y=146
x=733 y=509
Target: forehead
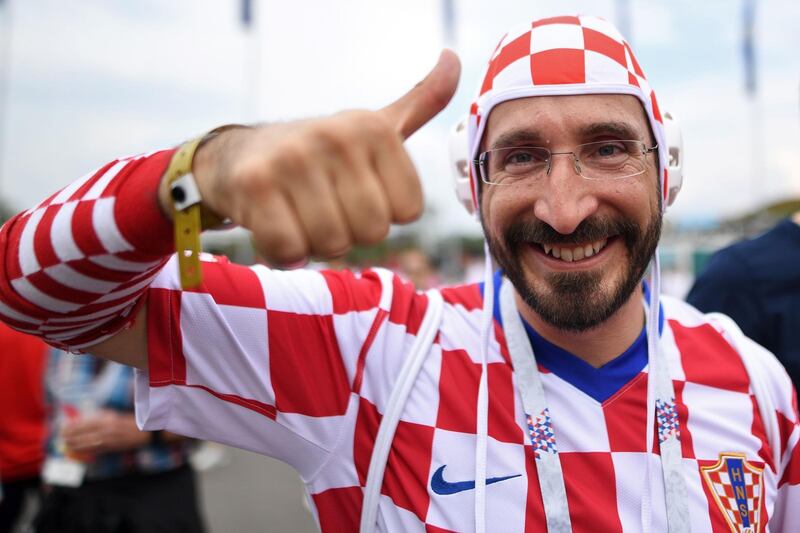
x=553 y=119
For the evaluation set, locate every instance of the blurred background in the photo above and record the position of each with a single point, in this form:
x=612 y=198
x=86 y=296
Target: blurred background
x=82 y=83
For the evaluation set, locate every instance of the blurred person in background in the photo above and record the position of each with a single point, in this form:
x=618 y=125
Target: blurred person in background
x=103 y=474
x=415 y=265
x=757 y=283
x=562 y=392
x=23 y=421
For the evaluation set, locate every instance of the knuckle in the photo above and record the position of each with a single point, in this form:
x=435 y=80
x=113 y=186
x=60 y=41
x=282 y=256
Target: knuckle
x=334 y=135
x=285 y=253
x=374 y=232
x=291 y=158
x=281 y=247
x=329 y=237
x=409 y=210
x=248 y=174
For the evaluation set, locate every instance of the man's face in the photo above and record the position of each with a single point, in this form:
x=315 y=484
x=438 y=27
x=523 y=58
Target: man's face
x=530 y=223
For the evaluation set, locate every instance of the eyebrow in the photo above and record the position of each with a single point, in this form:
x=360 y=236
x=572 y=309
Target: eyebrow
x=518 y=138
x=526 y=137
x=623 y=130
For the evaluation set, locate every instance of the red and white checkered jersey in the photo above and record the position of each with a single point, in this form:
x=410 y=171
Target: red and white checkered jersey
x=299 y=366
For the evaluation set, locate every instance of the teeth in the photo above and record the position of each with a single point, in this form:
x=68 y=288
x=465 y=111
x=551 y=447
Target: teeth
x=576 y=253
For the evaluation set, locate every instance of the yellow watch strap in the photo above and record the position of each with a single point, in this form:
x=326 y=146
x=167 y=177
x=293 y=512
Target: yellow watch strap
x=186 y=221
x=192 y=219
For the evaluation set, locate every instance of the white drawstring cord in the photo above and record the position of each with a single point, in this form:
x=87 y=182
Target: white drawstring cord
x=653 y=361
x=482 y=418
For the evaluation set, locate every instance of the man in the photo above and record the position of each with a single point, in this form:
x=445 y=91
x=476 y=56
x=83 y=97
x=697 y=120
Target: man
x=757 y=283
x=103 y=474
x=569 y=183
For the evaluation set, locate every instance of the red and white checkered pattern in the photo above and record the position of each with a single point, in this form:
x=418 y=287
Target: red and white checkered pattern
x=299 y=365
x=563 y=55
x=75 y=265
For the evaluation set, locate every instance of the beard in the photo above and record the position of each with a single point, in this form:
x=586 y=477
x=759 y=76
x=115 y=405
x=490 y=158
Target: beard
x=576 y=301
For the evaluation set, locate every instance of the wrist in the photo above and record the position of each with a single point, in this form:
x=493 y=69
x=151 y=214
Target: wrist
x=205 y=167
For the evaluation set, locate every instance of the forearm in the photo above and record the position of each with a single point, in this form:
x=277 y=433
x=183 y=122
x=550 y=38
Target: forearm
x=73 y=268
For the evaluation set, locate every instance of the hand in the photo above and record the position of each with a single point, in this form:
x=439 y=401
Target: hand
x=102 y=432
x=317 y=187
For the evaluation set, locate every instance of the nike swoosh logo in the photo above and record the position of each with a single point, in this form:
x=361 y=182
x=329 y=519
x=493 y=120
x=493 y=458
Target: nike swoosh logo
x=443 y=488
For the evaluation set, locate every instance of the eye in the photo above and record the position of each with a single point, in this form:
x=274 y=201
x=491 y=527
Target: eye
x=610 y=149
x=523 y=158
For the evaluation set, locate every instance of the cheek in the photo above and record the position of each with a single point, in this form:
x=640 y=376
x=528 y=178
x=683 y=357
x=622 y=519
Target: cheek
x=507 y=202
x=635 y=195
x=496 y=212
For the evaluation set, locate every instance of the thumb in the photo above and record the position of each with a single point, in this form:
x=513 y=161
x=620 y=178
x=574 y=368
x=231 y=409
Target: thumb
x=423 y=102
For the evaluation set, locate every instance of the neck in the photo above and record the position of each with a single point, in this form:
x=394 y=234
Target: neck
x=598 y=345
x=796 y=218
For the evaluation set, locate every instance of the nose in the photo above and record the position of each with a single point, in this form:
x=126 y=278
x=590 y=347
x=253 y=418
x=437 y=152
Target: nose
x=565 y=199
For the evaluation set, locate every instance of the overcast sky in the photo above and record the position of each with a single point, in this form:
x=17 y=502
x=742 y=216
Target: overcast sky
x=92 y=80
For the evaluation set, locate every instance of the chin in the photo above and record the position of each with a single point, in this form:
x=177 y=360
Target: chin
x=573 y=301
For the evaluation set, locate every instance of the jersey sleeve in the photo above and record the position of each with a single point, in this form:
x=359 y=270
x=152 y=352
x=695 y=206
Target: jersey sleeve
x=264 y=360
x=73 y=267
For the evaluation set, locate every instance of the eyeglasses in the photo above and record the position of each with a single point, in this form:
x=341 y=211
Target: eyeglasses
x=602 y=160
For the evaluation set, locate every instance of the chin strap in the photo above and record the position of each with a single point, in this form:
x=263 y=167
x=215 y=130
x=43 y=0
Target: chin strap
x=663 y=412
x=482 y=422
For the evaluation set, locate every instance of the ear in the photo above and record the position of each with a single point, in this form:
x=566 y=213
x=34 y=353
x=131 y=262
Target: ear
x=460 y=163
x=672 y=132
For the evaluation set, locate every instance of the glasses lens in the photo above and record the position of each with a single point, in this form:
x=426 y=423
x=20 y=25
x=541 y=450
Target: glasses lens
x=505 y=165
x=611 y=159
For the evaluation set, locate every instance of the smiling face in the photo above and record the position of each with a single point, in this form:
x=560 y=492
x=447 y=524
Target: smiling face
x=574 y=249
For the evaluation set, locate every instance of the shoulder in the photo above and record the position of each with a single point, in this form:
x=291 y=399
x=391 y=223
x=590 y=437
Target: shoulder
x=717 y=343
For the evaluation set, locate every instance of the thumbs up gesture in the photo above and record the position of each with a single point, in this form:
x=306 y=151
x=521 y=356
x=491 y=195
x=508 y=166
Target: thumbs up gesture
x=316 y=187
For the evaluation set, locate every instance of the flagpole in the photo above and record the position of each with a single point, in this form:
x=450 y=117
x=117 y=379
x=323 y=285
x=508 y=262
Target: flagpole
x=252 y=64
x=624 y=20
x=759 y=184
x=5 y=82
x=449 y=23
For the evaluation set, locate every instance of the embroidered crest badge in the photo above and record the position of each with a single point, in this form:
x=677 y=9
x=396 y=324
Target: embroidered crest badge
x=738 y=489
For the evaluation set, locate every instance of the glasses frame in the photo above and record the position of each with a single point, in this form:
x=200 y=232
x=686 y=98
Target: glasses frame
x=480 y=162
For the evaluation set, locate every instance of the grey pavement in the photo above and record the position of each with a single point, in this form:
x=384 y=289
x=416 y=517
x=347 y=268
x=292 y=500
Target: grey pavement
x=251 y=493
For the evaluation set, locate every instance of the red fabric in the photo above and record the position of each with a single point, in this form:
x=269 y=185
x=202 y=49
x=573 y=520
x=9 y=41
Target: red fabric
x=107 y=227
x=721 y=366
x=591 y=486
x=22 y=417
x=559 y=66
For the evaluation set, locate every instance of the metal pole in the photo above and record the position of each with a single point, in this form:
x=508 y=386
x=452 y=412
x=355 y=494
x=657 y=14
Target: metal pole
x=5 y=81
x=624 y=20
x=252 y=64
x=759 y=182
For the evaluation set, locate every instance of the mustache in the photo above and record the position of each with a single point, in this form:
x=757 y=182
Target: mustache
x=589 y=230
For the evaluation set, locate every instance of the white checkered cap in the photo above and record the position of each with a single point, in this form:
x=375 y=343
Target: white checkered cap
x=562 y=56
